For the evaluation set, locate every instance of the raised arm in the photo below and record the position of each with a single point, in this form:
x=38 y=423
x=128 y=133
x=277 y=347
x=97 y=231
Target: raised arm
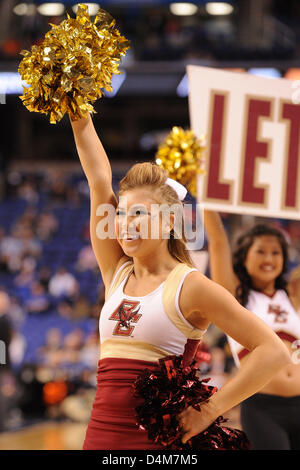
x=294 y=289
x=220 y=257
x=97 y=169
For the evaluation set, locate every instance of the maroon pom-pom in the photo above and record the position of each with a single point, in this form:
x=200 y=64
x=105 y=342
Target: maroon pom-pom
x=166 y=393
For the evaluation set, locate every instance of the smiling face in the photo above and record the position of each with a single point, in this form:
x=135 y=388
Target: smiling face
x=264 y=260
x=135 y=216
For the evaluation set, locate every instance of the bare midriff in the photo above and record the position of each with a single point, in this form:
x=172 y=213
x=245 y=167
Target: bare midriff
x=286 y=382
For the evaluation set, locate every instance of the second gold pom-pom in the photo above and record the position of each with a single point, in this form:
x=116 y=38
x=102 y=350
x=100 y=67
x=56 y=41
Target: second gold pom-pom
x=182 y=155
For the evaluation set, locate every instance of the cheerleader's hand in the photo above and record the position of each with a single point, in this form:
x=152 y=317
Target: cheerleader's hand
x=193 y=422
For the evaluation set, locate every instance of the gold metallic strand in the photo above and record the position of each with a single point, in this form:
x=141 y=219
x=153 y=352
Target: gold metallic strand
x=72 y=66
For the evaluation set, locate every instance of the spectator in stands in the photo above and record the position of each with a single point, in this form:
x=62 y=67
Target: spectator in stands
x=86 y=260
x=53 y=358
x=54 y=339
x=11 y=250
x=217 y=367
x=72 y=345
x=77 y=406
x=17 y=348
x=81 y=307
x=46 y=226
x=90 y=352
x=58 y=192
x=175 y=36
x=19 y=244
x=3 y=264
x=16 y=311
x=73 y=197
x=6 y=327
x=31 y=245
x=64 y=309
x=28 y=190
x=28 y=219
x=83 y=189
x=27 y=273
x=6 y=331
x=44 y=276
x=63 y=284
x=38 y=301
x=51 y=354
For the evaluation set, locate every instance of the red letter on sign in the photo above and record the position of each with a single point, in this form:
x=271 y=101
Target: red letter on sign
x=215 y=188
x=254 y=149
x=292 y=113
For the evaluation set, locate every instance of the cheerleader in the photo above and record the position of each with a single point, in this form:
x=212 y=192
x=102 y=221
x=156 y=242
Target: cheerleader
x=255 y=276
x=152 y=304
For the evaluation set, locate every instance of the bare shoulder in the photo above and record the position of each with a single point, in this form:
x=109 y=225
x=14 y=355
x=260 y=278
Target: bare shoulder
x=191 y=300
x=121 y=261
x=196 y=279
x=200 y=295
x=197 y=284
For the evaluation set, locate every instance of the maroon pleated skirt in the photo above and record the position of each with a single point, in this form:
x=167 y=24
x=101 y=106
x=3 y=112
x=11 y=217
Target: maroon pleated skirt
x=112 y=424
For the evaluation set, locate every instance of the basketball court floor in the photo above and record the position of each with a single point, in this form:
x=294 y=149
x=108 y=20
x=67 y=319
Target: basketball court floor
x=46 y=436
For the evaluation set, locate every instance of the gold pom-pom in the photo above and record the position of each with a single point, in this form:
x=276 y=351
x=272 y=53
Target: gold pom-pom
x=182 y=155
x=72 y=66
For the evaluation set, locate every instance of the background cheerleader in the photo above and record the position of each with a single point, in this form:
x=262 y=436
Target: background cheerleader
x=255 y=274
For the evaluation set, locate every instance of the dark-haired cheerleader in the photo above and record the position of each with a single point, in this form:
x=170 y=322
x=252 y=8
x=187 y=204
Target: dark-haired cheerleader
x=255 y=274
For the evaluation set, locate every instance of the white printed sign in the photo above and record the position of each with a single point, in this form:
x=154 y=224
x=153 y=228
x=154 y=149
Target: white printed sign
x=252 y=128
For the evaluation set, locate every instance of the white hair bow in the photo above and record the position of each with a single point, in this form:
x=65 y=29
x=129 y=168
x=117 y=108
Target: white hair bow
x=179 y=188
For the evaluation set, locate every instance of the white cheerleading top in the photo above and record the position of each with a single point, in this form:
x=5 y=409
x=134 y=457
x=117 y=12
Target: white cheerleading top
x=277 y=312
x=151 y=326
